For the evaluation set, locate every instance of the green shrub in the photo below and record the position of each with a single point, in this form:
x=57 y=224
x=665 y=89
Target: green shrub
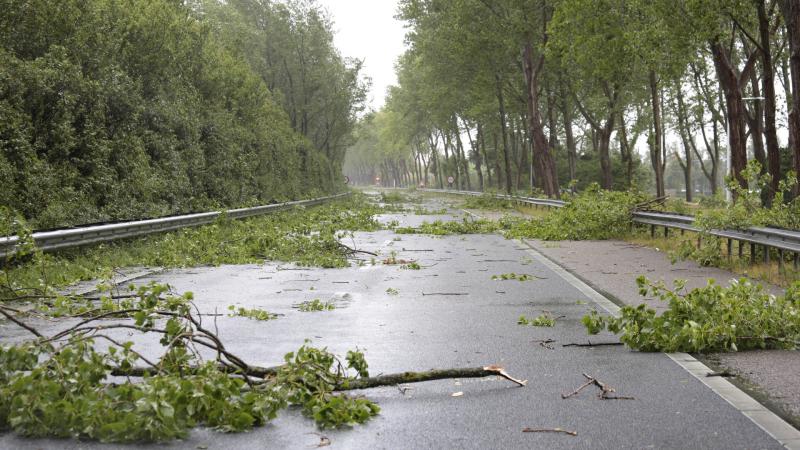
x=592 y=214
x=709 y=319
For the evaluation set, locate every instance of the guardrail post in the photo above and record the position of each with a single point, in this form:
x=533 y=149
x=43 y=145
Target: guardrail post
x=752 y=253
x=780 y=260
x=766 y=254
x=666 y=232
x=741 y=249
x=730 y=248
x=652 y=231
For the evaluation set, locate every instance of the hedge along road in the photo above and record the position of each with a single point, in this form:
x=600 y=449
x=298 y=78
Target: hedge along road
x=450 y=313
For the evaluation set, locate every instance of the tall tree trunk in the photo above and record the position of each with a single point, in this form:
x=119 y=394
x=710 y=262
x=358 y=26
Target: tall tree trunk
x=656 y=150
x=715 y=160
x=626 y=148
x=476 y=156
x=464 y=161
x=502 y=111
x=730 y=83
x=446 y=166
x=603 y=145
x=791 y=16
x=755 y=123
x=572 y=153
x=768 y=83
x=498 y=173
x=437 y=170
x=544 y=164
x=688 y=144
x=480 y=141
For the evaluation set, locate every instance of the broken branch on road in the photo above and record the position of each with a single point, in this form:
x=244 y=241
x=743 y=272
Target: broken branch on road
x=592 y=344
x=549 y=430
x=606 y=391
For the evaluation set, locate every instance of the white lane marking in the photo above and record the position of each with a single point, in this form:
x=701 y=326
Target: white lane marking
x=771 y=423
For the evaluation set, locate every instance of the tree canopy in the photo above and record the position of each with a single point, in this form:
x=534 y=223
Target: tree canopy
x=112 y=109
x=525 y=95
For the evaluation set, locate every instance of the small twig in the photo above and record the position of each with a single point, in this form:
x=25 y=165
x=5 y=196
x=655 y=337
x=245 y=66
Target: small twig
x=355 y=250
x=549 y=430
x=576 y=391
x=20 y=323
x=445 y=293
x=590 y=344
x=545 y=343
x=606 y=390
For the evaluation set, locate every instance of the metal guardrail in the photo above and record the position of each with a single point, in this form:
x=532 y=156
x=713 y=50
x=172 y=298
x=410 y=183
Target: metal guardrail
x=74 y=237
x=526 y=200
x=780 y=239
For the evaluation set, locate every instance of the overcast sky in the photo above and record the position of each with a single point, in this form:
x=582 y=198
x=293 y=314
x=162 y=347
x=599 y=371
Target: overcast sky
x=366 y=29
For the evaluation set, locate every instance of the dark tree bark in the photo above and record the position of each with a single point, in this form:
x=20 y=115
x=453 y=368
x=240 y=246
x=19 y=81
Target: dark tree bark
x=463 y=158
x=768 y=82
x=572 y=154
x=686 y=137
x=498 y=173
x=476 y=156
x=542 y=157
x=503 y=131
x=627 y=146
x=437 y=170
x=602 y=132
x=481 y=141
x=731 y=84
x=656 y=148
x=791 y=16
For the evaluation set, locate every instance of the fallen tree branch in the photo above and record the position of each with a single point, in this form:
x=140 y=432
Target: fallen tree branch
x=606 y=391
x=430 y=375
x=445 y=293
x=20 y=323
x=591 y=344
x=359 y=383
x=352 y=250
x=545 y=343
x=549 y=430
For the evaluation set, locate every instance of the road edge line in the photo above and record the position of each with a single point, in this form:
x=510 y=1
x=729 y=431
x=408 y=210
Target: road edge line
x=771 y=423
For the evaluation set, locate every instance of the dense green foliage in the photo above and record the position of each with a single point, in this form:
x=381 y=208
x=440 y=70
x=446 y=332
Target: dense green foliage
x=487 y=201
x=709 y=319
x=305 y=236
x=442 y=228
x=112 y=109
x=60 y=387
x=650 y=94
x=592 y=214
x=747 y=212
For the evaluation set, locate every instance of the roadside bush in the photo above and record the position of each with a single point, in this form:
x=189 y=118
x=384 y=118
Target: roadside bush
x=592 y=214
x=709 y=319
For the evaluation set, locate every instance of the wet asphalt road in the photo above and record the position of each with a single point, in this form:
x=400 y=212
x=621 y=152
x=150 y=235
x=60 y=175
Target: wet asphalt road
x=420 y=329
